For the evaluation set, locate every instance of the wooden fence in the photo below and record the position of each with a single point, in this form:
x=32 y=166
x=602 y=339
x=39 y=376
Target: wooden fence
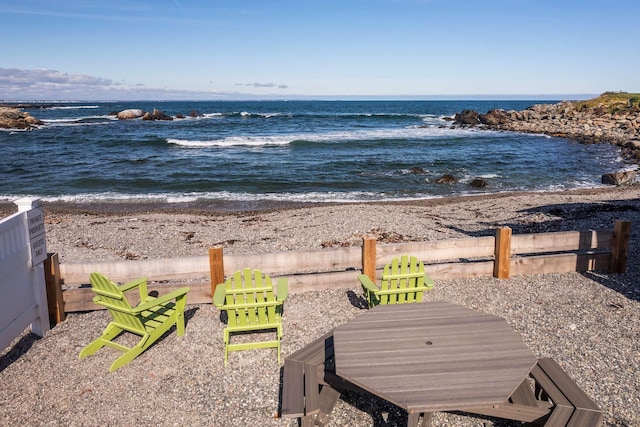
x=502 y=256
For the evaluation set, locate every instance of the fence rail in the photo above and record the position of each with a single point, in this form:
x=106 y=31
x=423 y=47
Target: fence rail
x=502 y=256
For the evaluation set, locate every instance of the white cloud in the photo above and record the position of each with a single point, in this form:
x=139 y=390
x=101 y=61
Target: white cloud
x=33 y=78
x=260 y=85
x=25 y=85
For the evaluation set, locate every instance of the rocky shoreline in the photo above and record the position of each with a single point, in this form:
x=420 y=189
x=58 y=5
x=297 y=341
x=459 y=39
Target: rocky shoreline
x=608 y=118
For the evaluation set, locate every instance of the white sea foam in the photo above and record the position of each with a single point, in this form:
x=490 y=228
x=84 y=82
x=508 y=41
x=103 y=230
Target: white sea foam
x=79 y=121
x=314 y=197
x=311 y=197
x=74 y=107
x=257 y=141
x=488 y=175
x=359 y=135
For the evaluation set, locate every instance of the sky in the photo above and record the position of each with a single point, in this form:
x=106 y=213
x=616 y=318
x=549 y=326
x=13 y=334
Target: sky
x=330 y=49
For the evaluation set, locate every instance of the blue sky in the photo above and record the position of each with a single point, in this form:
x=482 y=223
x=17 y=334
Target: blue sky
x=230 y=49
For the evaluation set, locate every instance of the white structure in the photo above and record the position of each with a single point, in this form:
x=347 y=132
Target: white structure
x=23 y=294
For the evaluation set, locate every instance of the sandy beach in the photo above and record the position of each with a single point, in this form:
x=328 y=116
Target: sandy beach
x=587 y=322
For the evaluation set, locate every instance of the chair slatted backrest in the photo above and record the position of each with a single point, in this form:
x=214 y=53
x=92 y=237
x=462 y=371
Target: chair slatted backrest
x=109 y=295
x=402 y=273
x=250 y=299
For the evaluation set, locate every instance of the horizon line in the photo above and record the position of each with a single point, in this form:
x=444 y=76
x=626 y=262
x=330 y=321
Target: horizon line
x=469 y=97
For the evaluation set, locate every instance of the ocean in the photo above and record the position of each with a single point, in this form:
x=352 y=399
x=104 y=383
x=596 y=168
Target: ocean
x=261 y=152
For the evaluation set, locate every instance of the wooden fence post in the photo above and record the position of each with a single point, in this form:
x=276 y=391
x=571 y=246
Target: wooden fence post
x=53 y=283
x=620 y=246
x=502 y=263
x=369 y=257
x=216 y=267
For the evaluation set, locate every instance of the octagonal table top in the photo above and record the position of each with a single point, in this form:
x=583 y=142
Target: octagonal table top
x=433 y=356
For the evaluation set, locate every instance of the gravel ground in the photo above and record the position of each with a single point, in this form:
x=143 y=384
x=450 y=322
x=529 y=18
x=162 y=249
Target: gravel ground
x=588 y=322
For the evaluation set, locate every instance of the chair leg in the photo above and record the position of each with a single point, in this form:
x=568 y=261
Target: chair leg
x=109 y=334
x=226 y=347
x=278 y=350
x=126 y=358
x=179 y=307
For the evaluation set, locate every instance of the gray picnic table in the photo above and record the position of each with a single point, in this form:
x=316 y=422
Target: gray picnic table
x=432 y=357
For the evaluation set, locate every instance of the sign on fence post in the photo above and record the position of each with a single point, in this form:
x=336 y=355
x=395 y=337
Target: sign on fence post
x=38 y=245
x=35 y=223
x=35 y=219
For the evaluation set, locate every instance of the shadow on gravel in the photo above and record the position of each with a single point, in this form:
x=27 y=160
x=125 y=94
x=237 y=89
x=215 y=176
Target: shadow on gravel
x=625 y=283
x=358 y=301
x=583 y=217
x=189 y=313
x=564 y=217
x=18 y=350
x=385 y=414
x=598 y=216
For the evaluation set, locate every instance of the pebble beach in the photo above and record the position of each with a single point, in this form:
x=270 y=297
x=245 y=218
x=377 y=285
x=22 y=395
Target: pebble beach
x=588 y=322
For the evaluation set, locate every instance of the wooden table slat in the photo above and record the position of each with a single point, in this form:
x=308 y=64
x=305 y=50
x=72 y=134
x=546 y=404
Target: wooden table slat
x=432 y=356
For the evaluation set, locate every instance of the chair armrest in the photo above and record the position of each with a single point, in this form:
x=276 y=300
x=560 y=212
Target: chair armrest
x=219 y=296
x=282 y=289
x=140 y=283
x=177 y=295
x=428 y=281
x=367 y=283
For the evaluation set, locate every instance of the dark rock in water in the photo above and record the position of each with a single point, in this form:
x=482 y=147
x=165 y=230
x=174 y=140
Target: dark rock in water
x=417 y=170
x=179 y=116
x=619 y=178
x=478 y=183
x=159 y=115
x=193 y=113
x=467 y=118
x=446 y=179
x=156 y=115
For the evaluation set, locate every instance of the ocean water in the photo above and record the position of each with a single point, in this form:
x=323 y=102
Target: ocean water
x=284 y=151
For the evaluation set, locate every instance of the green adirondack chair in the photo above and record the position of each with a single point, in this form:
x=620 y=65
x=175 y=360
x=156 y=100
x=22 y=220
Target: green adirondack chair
x=251 y=305
x=403 y=281
x=150 y=319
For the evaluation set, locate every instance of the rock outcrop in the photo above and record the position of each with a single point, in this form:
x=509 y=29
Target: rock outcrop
x=156 y=115
x=567 y=121
x=14 y=118
x=619 y=178
x=132 y=113
x=604 y=119
x=467 y=118
x=135 y=113
x=446 y=179
x=478 y=183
